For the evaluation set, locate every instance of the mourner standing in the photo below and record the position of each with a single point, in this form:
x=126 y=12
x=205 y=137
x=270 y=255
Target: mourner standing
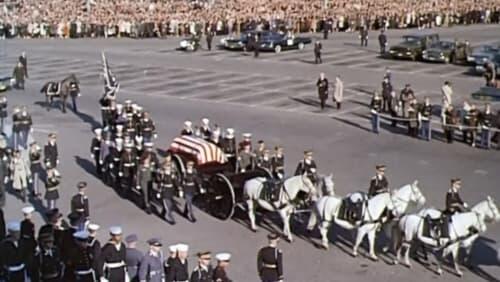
x=13 y=260
x=376 y=106
x=382 y=41
x=378 y=183
x=338 y=95
x=386 y=94
x=50 y=152
x=19 y=76
x=35 y=157
x=449 y=123
x=210 y=36
x=413 y=119
x=256 y=45
x=52 y=188
x=270 y=261
x=133 y=258
x=363 y=36
x=322 y=85
x=16 y=126
x=471 y=124
x=220 y=274
x=203 y=272
x=20 y=175
x=151 y=267
x=80 y=204
x=95 y=150
x=179 y=266
x=317 y=52
x=486 y=120
x=113 y=257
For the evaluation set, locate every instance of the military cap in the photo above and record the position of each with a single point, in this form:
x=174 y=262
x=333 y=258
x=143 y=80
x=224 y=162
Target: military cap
x=230 y=132
x=247 y=135
x=127 y=102
x=223 y=256
x=205 y=121
x=172 y=248
x=380 y=167
x=308 y=152
x=407 y=85
x=14 y=226
x=182 y=247
x=17 y=109
x=188 y=123
x=115 y=230
x=456 y=180
x=81 y=185
x=52 y=135
x=93 y=227
x=273 y=236
x=81 y=235
x=131 y=238
x=155 y=242
x=203 y=254
x=28 y=210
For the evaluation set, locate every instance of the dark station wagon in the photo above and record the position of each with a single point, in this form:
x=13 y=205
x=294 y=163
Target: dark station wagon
x=413 y=46
x=269 y=41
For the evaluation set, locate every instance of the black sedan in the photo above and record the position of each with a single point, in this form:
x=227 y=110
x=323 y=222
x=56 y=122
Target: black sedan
x=268 y=41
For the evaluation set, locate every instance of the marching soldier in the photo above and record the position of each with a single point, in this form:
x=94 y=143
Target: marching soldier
x=378 y=183
x=306 y=165
x=130 y=128
x=172 y=249
x=28 y=230
x=81 y=258
x=454 y=202
x=376 y=107
x=94 y=248
x=80 y=204
x=113 y=257
x=425 y=115
x=145 y=178
x=25 y=127
x=35 y=156
x=95 y=150
x=322 y=85
x=115 y=158
x=486 y=120
x=167 y=183
x=229 y=146
x=50 y=152
x=179 y=266
x=203 y=272
x=188 y=128
x=133 y=258
x=317 y=52
x=53 y=228
x=190 y=185
x=48 y=265
x=151 y=267
x=13 y=261
x=127 y=168
x=278 y=163
x=270 y=261
x=108 y=108
x=220 y=274
x=148 y=129
x=105 y=158
x=3 y=112
x=246 y=159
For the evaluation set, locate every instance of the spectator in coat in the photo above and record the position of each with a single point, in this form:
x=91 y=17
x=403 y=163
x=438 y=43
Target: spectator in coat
x=20 y=174
x=338 y=95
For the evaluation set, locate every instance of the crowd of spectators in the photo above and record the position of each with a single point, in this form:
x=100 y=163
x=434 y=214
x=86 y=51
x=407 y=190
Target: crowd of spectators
x=159 y=18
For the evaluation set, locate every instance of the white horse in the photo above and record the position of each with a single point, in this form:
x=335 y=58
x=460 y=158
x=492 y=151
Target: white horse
x=285 y=205
x=398 y=202
x=460 y=235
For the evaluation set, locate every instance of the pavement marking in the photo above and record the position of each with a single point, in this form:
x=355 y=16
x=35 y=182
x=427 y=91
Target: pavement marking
x=481 y=172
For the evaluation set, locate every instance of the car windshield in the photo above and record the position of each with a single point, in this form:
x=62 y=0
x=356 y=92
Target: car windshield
x=411 y=39
x=442 y=44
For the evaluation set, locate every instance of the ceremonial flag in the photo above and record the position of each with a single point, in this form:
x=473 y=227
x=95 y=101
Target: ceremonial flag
x=111 y=84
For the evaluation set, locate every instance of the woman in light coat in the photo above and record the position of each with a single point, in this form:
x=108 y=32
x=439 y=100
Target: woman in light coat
x=338 y=95
x=20 y=174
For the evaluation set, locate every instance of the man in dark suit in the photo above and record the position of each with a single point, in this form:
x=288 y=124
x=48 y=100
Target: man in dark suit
x=50 y=152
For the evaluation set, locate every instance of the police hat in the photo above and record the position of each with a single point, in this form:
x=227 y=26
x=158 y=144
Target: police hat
x=131 y=238
x=81 y=185
x=273 y=236
x=154 y=242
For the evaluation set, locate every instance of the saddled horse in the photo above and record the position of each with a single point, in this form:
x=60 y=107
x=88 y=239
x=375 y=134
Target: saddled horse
x=374 y=212
x=287 y=200
x=70 y=86
x=464 y=229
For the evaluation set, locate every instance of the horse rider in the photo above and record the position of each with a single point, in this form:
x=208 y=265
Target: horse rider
x=454 y=204
x=246 y=159
x=270 y=260
x=378 y=183
x=188 y=128
x=278 y=163
x=229 y=146
x=307 y=165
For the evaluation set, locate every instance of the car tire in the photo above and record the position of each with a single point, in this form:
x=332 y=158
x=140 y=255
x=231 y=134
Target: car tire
x=277 y=49
x=301 y=45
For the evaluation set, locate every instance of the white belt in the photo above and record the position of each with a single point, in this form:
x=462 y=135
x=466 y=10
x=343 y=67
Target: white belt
x=16 y=268
x=84 y=272
x=114 y=264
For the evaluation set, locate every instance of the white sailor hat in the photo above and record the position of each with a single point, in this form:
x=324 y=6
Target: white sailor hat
x=223 y=256
x=14 y=226
x=17 y=109
x=119 y=106
x=172 y=248
x=128 y=101
x=230 y=131
x=81 y=235
x=119 y=127
x=205 y=120
x=28 y=209
x=216 y=132
x=93 y=227
x=139 y=108
x=247 y=135
x=115 y=230
x=98 y=131
x=148 y=144
x=188 y=123
x=182 y=247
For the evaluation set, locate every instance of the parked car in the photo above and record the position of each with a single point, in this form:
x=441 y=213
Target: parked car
x=6 y=83
x=446 y=52
x=482 y=53
x=487 y=94
x=268 y=41
x=479 y=68
x=190 y=44
x=239 y=43
x=412 y=46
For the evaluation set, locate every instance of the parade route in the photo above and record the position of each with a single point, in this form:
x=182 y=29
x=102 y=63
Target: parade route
x=275 y=98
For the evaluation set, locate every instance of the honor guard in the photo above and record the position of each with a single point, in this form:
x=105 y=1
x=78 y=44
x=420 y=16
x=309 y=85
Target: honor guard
x=130 y=128
x=148 y=128
x=246 y=159
x=278 y=163
x=120 y=117
x=178 y=271
x=270 y=261
x=188 y=128
x=264 y=161
x=94 y=248
x=95 y=150
x=454 y=202
x=190 y=185
x=205 y=130
x=375 y=108
x=220 y=274
x=259 y=151
x=108 y=109
x=247 y=140
x=50 y=152
x=306 y=165
x=215 y=138
x=167 y=266
x=80 y=204
x=378 y=183
x=13 y=260
x=16 y=125
x=133 y=258
x=52 y=182
x=48 y=265
x=203 y=272
x=28 y=230
x=81 y=258
x=128 y=166
x=115 y=156
x=165 y=191
x=229 y=146
x=128 y=109
x=105 y=158
x=113 y=257
x=145 y=179
x=151 y=268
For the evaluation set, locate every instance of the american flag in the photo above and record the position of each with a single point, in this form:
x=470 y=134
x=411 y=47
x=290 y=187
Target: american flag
x=111 y=84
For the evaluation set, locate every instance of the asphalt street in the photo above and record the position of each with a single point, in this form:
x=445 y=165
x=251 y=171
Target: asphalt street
x=274 y=97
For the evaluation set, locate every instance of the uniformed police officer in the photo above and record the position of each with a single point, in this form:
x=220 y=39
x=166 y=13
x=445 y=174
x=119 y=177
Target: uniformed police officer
x=133 y=258
x=220 y=274
x=13 y=260
x=94 y=248
x=454 y=202
x=95 y=150
x=178 y=271
x=113 y=257
x=246 y=159
x=376 y=107
x=378 y=183
x=425 y=115
x=80 y=204
x=151 y=268
x=203 y=272
x=190 y=186
x=278 y=163
x=270 y=261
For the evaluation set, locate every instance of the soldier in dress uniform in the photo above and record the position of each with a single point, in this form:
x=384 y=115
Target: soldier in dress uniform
x=454 y=202
x=167 y=266
x=115 y=158
x=322 y=85
x=50 y=152
x=35 y=156
x=220 y=274
x=81 y=258
x=53 y=228
x=133 y=258
x=14 y=259
x=188 y=128
x=108 y=109
x=247 y=140
x=425 y=115
x=16 y=125
x=95 y=150
x=205 y=130
x=94 y=248
x=375 y=108
x=148 y=128
x=215 y=138
x=306 y=165
x=80 y=204
x=378 y=183
x=167 y=184
x=4 y=170
x=203 y=272
x=113 y=257
x=130 y=128
x=48 y=265
x=28 y=230
x=105 y=158
x=317 y=52
x=151 y=268
x=128 y=167
x=3 y=112
x=145 y=178
x=52 y=188
x=278 y=163
x=179 y=266
x=190 y=187
x=486 y=119
x=229 y=146
x=25 y=127
x=270 y=261
x=246 y=159
x=259 y=151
